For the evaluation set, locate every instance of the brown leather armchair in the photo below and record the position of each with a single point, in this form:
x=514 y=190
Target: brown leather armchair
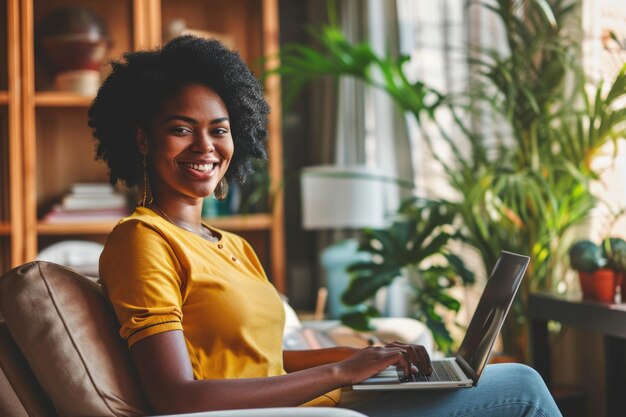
x=61 y=355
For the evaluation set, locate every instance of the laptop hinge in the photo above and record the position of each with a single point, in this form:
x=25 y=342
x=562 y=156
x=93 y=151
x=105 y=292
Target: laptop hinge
x=467 y=369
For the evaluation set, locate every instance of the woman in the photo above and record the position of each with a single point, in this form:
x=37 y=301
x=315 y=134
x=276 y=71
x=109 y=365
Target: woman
x=203 y=323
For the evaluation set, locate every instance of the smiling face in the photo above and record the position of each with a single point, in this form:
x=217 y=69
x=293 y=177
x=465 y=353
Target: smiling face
x=188 y=145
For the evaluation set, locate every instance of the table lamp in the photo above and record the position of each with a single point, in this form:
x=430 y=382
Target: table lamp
x=341 y=198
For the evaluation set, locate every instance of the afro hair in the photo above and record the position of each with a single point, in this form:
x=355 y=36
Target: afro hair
x=137 y=87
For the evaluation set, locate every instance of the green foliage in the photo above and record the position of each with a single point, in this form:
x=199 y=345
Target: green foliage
x=337 y=57
x=614 y=250
x=255 y=192
x=359 y=317
x=524 y=196
x=417 y=241
x=528 y=191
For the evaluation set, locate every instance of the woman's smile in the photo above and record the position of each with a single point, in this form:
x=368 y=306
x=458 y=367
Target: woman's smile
x=202 y=167
x=200 y=170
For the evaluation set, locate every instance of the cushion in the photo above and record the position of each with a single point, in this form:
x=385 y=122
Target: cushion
x=69 y=337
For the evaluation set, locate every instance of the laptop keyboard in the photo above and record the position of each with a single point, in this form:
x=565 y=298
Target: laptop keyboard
x=442 y=371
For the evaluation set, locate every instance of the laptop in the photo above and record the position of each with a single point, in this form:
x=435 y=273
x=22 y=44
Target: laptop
x=464 y=370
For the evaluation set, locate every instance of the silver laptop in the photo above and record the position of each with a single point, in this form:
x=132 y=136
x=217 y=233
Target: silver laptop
x=464 y=370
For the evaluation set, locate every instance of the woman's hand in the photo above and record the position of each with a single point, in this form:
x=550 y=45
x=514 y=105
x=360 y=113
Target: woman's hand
x=372 y=360
x=418 y=356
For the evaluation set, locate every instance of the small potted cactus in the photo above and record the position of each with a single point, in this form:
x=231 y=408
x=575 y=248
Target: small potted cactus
x=597 y=280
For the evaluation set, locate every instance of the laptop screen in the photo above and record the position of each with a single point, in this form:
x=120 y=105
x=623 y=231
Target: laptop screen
x=491 y=311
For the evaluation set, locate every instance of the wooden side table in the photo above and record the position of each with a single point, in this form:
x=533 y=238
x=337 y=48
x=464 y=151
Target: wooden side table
x=603 y=318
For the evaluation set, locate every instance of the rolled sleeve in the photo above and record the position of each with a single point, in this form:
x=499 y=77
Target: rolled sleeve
x=142 y=278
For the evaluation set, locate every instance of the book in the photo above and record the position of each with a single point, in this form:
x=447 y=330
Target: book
x=100 y=188
x=93 y=201
x=59 y=215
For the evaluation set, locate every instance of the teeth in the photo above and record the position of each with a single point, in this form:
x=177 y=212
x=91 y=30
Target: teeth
x=199 y=167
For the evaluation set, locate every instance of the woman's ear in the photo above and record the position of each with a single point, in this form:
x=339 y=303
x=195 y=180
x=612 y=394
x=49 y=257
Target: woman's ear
x=141 y=139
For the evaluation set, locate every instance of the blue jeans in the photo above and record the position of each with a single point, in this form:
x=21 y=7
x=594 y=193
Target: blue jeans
x=503 y=390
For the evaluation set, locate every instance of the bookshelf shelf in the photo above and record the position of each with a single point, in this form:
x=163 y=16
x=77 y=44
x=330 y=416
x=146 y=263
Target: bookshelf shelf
x=61 y=99
x=243 y=223
x=4 y=97
x=78 y=228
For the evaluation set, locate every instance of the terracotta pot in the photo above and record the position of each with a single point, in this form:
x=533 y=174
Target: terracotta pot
x=599 y=285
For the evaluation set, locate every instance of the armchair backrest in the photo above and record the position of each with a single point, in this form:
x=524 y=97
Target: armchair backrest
x=20 y=393
x=66 y=334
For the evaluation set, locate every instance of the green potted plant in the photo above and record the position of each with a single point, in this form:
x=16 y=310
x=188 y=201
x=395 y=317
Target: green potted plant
x=414 y=245
x=526 y=193
x=600 y=267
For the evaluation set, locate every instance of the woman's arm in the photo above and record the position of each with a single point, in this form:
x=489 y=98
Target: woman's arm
x=166 y=375
x=297 y=360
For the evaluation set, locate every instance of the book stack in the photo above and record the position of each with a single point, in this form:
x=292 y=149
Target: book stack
x=89 y=202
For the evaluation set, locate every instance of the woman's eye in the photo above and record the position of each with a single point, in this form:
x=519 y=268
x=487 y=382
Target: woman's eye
x=181 y=130
x=220 y=131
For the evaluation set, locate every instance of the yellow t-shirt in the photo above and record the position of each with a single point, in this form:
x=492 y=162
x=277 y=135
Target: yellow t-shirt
x=159 y=277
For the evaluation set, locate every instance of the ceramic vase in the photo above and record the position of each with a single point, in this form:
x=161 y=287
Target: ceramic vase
x=74 y=43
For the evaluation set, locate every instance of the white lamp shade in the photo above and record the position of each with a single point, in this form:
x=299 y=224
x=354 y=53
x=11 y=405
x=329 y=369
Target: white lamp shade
x=342 y=197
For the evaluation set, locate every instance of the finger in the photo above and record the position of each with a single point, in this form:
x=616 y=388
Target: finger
x=413 y=351
x=423 y=361
x=396 y=344
x=414 y=355
x=397 y=356
x=417 y=355
x=404 y=363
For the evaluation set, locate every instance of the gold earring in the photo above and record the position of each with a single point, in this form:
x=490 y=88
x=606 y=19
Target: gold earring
x=146 y=184
x=221 y=191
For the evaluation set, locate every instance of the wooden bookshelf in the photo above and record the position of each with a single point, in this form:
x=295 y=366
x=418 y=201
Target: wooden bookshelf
x=61 y=99
x=11 y=138
x=51 y=143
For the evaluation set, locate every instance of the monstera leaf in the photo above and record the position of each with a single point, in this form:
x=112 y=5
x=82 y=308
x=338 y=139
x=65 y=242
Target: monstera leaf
x=416 y=240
